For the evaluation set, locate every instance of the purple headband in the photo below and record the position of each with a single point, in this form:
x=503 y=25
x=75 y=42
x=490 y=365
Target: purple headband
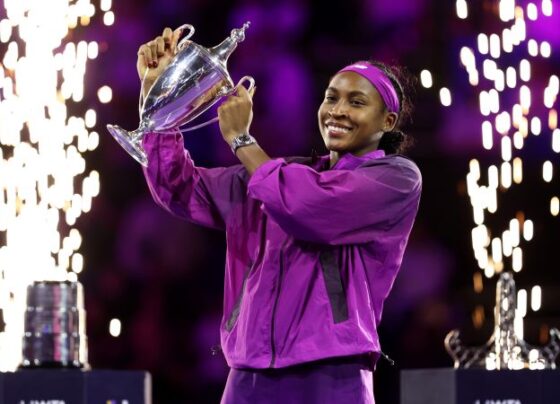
x=379 y=80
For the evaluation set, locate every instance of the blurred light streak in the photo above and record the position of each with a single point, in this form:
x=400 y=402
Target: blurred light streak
x=519 y=27
x=487 y=140
x=536 y=298
x=495 y=46
x=511 y=77
x=525 y=98
x=522 y=302
x=517 y=259
x=528 y=229
x=474 y=167
x=115 y=327
x=5 y=30
x=517 y=170
x=484 y=102
x=547 y=171
x=546 y=7
x=556 y=140
x=105 y=94
x=497 y=250
x=478 y=316
x=536 y=126
x=500 y=81
x=105 y=5
x=445 y=96
x=546 y=50
x=462 y=9
x=507 y=40
x=516 y=115
x=473 y=78
x=483 y=44
x=514 y=232
x=524 y=127
x=489 y=68
x=525 y=70
x=489 y=271
x=507 y=10
x=494 y=97
x=552 y=119
x=93 y=50
x=507 y=245
x=109 y=18
x=503 y=123
x=549 y=96
x=506 y=175
x=518 y=140
x=533 y=47
x=477 y=282
x=506 y=148
x=554 y=206
x=554 y=83
x=493 y=177
x=532 y=11
x=492 y=199
x=426 y=78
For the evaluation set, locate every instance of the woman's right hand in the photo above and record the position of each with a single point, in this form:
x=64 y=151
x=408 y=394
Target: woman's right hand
x=154 y=56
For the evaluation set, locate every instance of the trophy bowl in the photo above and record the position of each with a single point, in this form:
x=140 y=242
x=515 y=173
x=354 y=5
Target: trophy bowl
x=195 y=80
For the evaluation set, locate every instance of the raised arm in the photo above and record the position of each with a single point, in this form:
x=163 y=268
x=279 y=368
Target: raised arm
x=200 y=195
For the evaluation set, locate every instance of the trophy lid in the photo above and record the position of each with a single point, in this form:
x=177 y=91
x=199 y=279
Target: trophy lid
x=220 y=53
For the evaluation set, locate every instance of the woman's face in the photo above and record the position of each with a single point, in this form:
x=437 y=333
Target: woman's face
x=352 y=117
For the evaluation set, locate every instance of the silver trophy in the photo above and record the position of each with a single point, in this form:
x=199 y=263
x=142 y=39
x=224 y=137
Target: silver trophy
x=55 y=326
x=195 y=80
x=504 y=350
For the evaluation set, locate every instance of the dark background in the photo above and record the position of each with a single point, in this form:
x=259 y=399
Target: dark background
x=163 y=278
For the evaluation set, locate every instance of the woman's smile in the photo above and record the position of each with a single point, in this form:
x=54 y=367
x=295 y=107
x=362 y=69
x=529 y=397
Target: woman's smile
x=336 y=129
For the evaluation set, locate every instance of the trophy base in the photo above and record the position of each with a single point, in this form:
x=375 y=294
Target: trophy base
x=130 y=143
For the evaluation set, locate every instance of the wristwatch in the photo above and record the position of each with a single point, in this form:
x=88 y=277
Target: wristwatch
x=242 y=140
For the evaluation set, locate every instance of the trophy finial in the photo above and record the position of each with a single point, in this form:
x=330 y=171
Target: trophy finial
x=222 y=51
x=238 y=34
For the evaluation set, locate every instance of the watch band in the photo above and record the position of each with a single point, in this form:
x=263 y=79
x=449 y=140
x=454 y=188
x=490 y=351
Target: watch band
x=242 y=140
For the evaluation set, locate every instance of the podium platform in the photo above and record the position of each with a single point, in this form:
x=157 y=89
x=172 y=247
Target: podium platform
x=479 y=386
x=61 y=386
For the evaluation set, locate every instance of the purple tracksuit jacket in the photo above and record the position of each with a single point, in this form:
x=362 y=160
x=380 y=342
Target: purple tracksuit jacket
x=312 y=252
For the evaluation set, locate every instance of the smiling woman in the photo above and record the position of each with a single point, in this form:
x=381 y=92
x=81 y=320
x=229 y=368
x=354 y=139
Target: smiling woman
x=314 y=245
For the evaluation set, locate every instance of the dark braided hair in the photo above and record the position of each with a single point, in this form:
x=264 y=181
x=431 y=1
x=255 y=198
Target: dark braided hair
x=396 y=141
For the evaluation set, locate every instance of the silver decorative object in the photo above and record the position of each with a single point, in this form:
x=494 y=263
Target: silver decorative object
x=195 y=80
x=54 y=325
x=504 y=350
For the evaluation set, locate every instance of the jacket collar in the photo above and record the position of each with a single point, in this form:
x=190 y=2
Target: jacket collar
x=349 y=161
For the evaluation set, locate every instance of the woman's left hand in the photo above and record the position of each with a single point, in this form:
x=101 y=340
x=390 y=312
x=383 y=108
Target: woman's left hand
x=235 y=114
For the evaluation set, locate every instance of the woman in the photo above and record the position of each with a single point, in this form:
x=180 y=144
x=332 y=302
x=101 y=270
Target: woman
x=313 y=246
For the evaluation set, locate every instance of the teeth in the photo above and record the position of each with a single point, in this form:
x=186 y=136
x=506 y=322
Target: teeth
x=337 y=128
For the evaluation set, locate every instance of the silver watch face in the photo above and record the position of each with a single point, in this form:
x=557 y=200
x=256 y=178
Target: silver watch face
x=242 y=140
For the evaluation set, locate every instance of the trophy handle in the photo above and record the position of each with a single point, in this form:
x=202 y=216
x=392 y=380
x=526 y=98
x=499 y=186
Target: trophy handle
x=248 y=79
x=184 y=41
x=180 y=47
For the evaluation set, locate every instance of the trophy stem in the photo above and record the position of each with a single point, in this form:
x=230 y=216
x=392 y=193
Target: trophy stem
x=131 y=142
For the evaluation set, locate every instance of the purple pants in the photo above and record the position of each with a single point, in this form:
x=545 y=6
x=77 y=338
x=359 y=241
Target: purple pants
x=332 y=381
